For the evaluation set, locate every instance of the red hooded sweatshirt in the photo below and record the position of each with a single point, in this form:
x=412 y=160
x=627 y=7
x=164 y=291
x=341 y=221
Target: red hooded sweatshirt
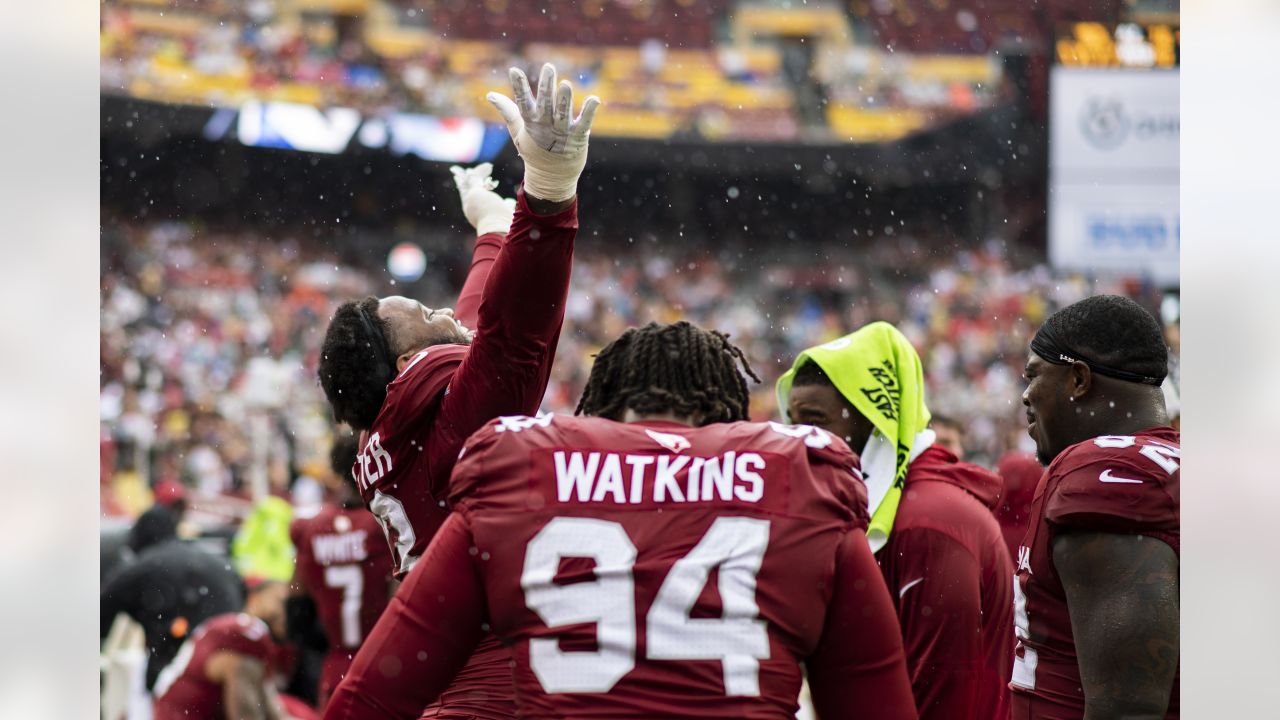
x=950 y=576
x=1021 y=473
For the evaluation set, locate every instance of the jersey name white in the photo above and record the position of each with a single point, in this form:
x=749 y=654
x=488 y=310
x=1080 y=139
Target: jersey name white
x=339 y=548
x=630 y=479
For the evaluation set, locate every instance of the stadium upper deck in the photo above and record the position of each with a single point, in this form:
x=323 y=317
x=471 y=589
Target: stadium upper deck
x=704 y=68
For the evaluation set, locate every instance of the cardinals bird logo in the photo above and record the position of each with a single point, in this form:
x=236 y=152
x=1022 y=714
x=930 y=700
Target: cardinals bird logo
x=673 y=443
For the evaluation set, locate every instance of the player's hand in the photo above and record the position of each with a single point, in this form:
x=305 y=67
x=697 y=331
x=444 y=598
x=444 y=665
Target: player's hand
x=551 y=142
x=486 y=210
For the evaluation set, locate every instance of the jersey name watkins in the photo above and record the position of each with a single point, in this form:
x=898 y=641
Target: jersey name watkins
x=339 y=548
x=631 y=479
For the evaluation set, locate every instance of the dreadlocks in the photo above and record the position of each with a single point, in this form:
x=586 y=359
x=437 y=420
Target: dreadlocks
x=677 y=368
x=356 y=362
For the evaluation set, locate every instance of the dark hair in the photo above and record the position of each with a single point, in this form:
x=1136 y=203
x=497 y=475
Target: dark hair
x=153 y=527
x=1113 y=331
x=677 y=368
x=811 y=373
x=356 y=362
x=342 y=454
x=946 y=421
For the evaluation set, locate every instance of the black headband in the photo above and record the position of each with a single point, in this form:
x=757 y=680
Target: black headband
x=381 y=350
x=1052 y=351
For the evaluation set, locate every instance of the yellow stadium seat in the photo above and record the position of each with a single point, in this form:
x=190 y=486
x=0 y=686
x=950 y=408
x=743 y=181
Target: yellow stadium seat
x=297 y=93
x=861 y=125
x=634 y=122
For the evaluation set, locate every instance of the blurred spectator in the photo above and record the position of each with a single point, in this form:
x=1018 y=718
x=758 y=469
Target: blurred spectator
x=157 y=524
x=950 y=434
x=186 y=309
x=1021 y=473
x=172 y=587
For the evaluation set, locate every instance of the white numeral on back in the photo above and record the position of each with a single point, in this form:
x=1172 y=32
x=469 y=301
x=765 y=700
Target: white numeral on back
x=390 y=514
x=1025 y=658
x=1163 y=455
x=739 y=639
x=609 y=602
x=351 y=579
x=1166 y=456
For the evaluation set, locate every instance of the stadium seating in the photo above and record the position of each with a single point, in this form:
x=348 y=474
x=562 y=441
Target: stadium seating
x=664 y=71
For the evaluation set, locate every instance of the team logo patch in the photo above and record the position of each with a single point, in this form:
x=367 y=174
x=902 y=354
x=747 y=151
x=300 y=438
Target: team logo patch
x=673 y=443
x=1107 y=477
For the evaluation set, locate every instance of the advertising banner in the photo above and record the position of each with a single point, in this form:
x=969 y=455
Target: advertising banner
x=1113 y=171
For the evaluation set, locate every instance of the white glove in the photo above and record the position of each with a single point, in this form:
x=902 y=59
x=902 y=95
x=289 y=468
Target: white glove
x=552 y=144
x=486 y=210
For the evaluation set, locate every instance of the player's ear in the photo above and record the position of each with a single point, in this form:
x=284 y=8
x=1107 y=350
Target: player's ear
x=403 y=361
x=1079 y=380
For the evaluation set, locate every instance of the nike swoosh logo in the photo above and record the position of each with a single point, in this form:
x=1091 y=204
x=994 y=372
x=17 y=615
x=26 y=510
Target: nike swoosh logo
x=908 y=586
x=1107 y=477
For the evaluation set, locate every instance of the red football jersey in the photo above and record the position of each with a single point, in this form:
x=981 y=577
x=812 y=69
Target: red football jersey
x=343 y=561
x=448 y=391
x=345 y=566
x=1114 y=483
x=648 y=570
x=182 y=690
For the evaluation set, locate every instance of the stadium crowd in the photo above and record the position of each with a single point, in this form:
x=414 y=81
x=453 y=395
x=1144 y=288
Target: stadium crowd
x=766 y=84
x=199 y=326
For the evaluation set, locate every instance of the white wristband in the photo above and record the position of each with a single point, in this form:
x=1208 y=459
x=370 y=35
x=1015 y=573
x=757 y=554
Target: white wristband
x=493 y=224
x=550 y=176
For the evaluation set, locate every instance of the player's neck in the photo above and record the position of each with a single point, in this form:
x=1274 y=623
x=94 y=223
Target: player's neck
x=631 y=416
x=1122 y=420
x=1128 y=412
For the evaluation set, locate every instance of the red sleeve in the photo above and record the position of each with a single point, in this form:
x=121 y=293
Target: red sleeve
x=939 y=602
x=467 y=309
x=858 y=669
x=431 y=627
x=1113 y=490
x=506 y=370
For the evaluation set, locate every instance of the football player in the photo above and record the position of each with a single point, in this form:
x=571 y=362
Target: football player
x=418 y=381
x=343 y=569
x=1097 y=579
x=659 y=558
x=224 y=671
x=938 y=544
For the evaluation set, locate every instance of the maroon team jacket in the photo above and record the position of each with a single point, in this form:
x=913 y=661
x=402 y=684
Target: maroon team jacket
x=950 y=575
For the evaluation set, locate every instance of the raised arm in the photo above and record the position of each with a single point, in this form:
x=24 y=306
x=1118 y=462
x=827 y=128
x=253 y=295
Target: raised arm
x=1122 y=593
x=858 y=669
x=490 y=214
x=424 y=637
x=507 y=368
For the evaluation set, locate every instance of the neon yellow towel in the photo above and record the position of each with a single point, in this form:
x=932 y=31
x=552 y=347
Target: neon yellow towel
x=878 y=371
x=262 y=547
